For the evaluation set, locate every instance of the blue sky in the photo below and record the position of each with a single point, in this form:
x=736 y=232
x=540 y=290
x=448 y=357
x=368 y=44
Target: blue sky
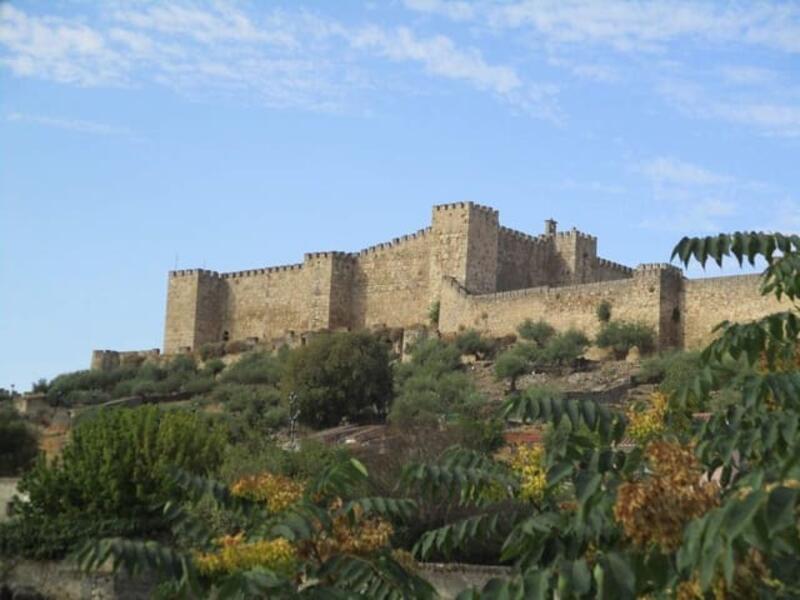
x=136 y=136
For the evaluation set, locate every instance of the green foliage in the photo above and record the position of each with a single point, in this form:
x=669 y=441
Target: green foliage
x=340 y=375
x=433 y=313
x=563 y=349
x=512 y=364
x=621 y=336
x=39 y=386
x=19 y=443
x=742 y=541
x=432 y=386
x=342 y=575
x=256 y=455
x=603 y=311
x=549 y=351
x=115 y=471
x=673 y=370
x=89 y=387
x=211 y=350
x=472 y=342
x=254 y=368
x=255 y=409
x=538 y=332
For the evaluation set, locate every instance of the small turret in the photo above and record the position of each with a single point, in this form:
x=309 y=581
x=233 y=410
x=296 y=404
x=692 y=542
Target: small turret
x=550 y=227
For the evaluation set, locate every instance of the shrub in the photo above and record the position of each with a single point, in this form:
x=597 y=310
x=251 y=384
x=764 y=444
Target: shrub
x=563 y=349
x=433 y=313
x=431 y=356
x=538 y=332
x=472 y=342
x=213 y=367
x=512 y=365
x=621 y=336
x=211 y=350
x=340 y=375
x=115 y=473
x=40 y=386
x=432 y=385
x=256 y=455
x=18 y=443
x=254 y=368
x=603 y=311
x=425 y=398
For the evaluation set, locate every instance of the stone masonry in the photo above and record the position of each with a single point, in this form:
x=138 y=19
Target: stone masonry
x=483 y=275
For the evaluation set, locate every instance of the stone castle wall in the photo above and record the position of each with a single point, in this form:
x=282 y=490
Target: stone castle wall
x=484 y=275
x=707 y=302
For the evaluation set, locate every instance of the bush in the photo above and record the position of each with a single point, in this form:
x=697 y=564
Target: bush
x=211 y=350
x=621 y=336
x=425 y=399
x=256 y=455
x=433 y=312
x=115 y=472
x=472 y=342
x=672 y=370
x=563 y=349
x=340 y=375
x=512 y=364
x=19 y=445
x=213 y=367
x=603 y=311
x=40 y=386
x=538 y=332
x=254 y=368
x=432 y=385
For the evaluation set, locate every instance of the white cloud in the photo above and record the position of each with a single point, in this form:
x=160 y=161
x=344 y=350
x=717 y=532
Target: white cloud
x=747 y=75
x=635 y=26
x=457 y=10
x=671 y=171
x=57 y=49
x=697 y=199
x=778 y=117
x=77 y=125
x=280 y=58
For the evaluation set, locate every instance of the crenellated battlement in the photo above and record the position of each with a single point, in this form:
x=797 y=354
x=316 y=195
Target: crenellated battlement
x=488 y=210
x=602 y=262
x=574 y=233
x=657 y=267
x=417 y=235
x=193 y=272
x=261 y=271
x=541 y=240
x=329 y=254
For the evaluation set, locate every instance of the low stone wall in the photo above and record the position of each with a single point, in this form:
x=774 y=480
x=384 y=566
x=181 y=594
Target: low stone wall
x=450 y=579
x=63 y=581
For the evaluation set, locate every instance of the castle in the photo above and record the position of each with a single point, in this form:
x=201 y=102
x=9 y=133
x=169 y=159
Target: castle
x=478 y=273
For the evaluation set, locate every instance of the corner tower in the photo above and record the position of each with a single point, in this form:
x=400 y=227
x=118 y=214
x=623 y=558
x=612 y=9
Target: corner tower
x=464 y=247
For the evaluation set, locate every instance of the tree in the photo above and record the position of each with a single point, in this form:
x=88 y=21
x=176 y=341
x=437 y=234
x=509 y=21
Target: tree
x=340 y=375
x=110 y=479
x=318 y=540
x=621 y=336
x=19 y=444
x=511 y=365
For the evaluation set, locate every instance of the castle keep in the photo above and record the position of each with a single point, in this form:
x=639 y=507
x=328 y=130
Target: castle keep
x=481 y=274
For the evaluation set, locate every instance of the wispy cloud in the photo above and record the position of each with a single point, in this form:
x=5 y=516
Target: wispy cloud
x=633 y=26
x=280 y=58
x=688 y=197
x=671 y=171
x=776 y=117
x=76 y=125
